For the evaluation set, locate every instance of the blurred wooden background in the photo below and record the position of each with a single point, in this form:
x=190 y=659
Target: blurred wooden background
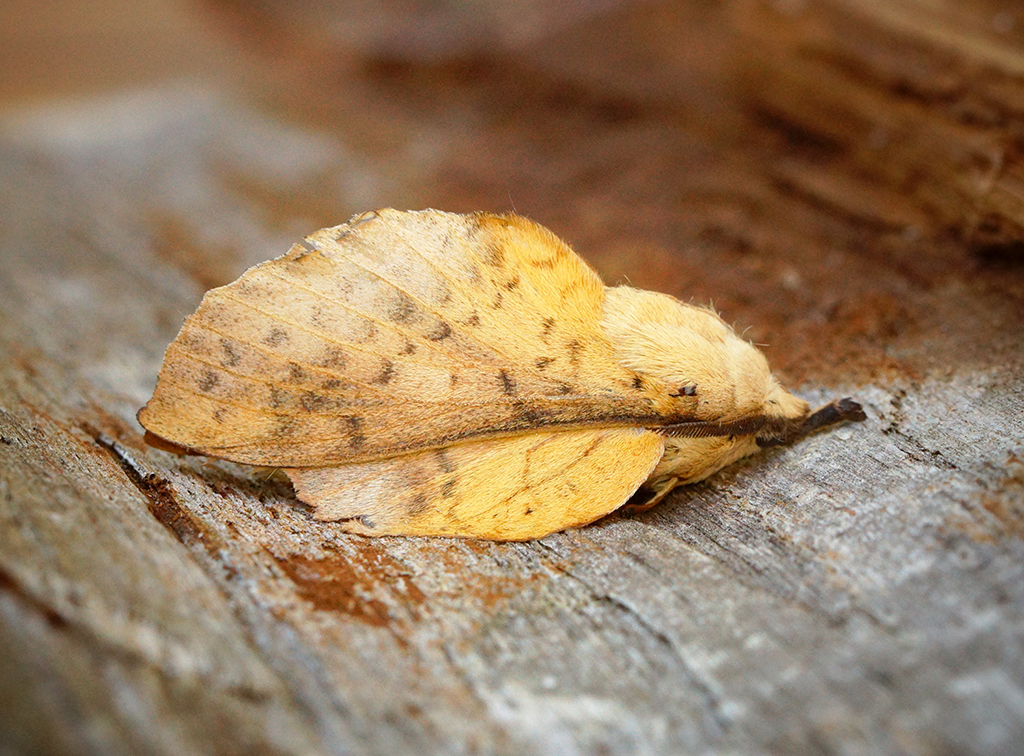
x=843 y=178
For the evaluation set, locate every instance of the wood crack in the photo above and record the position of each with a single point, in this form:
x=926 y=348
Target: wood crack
x=909 y=444
x=710 y=699
x=160 y=499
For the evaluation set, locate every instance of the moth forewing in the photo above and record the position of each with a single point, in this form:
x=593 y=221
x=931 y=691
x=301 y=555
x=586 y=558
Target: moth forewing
x=341 y=352
x=430 y=373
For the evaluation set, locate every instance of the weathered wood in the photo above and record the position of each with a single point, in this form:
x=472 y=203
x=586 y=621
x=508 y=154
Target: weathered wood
x=860 y=592
x=902 y=99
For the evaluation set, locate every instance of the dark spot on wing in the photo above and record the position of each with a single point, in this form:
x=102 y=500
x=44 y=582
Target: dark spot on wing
x=448 y=488
x=285 y=425
x=512 y=283
x=409 y=348
x=296 y=374
x=548 y=324
x=473 y=320
x=333 y=357
x=442 y=332
x=231 y=356
x=276 y=336
x=418 y=504
x=638 y=383
x=574 y=348
x=564 y=388
x=387 y=372
x=446 y=465
x=353 y=426
x=330 y=384
x=371 y=330
x=494 y=255
x=531 y=417
x=278 y=397
x=498 y=299
x=311 y=402
x=508 y=383
x=208 y=381
x=543 y=362
x=218 y=416
x=403 y=310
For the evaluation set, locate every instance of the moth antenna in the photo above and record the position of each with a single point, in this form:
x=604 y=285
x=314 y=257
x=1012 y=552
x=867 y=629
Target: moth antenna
x=836 y=411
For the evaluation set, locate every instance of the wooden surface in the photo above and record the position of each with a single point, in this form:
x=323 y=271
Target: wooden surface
x=862 y=592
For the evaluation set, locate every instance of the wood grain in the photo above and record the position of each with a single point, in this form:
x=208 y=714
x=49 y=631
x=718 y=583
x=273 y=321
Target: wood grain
x=862 y=591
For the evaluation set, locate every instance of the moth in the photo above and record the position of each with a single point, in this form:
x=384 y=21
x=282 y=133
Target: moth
x=427 y=373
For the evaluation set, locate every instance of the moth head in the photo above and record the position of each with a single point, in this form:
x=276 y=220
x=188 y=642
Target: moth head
x=779 y=404
x=715 y=375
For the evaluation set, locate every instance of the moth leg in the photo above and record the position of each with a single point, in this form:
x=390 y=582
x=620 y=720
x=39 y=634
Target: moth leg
x=662 y=490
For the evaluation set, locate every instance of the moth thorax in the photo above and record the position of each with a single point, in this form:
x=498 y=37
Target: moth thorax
x=689 y=349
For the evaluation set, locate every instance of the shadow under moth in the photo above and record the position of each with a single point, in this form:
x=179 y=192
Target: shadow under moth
x=427 y=373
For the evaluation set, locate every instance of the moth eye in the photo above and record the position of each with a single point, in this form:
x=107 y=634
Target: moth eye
x=688 y=389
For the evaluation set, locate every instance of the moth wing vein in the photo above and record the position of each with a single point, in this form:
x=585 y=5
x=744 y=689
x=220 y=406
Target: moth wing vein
x=375 y=388
x=560 y=471
x=341 y=253
x=434 y=345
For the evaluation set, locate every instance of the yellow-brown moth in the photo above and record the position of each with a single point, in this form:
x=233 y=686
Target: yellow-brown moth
x=426 y=373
